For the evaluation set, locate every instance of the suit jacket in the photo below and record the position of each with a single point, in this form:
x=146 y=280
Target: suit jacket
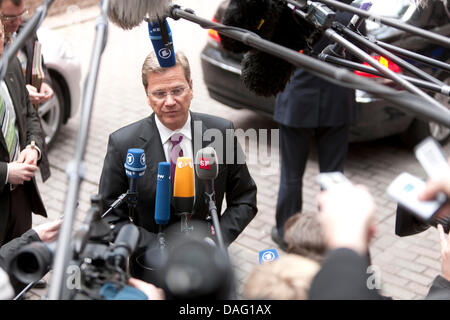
x=343 y=276
x=44 y=165
x=29 y=129
x=310 y=102
x=233 y=182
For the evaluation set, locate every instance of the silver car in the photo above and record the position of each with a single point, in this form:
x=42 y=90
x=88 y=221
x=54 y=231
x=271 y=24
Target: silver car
x=65 y=71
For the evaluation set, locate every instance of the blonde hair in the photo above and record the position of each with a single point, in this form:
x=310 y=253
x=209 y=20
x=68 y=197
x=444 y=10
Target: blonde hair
x=287 y=278
x=151 y=65
x=303 y=236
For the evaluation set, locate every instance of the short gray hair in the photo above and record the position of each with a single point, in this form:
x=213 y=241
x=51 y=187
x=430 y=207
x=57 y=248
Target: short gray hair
x=151 y=65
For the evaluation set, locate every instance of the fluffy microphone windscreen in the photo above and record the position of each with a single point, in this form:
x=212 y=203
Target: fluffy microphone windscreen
x=257 y=16
x=267 y=75
x=128 y=14
x=197 y=270
x=264 y=74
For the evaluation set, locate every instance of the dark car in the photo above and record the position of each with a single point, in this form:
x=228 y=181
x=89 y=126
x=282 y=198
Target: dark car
x=376 y=118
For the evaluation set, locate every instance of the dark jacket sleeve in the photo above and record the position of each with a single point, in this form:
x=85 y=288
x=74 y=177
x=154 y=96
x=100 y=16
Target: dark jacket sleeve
x=8 y=250
x=406 y=224
x=32 y=123
x=113 y=183
x=343 y=276
x=240 y=197
x=29 y=49
x=440 y=289
x=34 y=131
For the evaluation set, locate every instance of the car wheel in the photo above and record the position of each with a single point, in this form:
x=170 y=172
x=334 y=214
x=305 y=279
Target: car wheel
x=416 y=132
x=440 y=132
x=52 y=114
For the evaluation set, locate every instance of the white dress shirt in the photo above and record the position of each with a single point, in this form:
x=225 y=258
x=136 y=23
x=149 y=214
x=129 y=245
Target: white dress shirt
x=165 y=134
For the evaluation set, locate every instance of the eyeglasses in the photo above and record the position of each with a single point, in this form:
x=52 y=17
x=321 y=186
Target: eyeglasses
x=162 y=94
x=13 y=18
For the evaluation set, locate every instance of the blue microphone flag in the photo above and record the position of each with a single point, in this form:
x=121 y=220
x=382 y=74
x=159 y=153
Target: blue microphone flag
x=267 y=255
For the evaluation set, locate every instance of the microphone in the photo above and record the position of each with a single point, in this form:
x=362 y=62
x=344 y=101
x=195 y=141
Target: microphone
x=259 y=17
x=130 y=13
x=207 y=169
x=161 y=37
x=162 y=203
x=184 y=186
x=124 y=245
x=134 y=168
x=262 y=73
x=197 y=270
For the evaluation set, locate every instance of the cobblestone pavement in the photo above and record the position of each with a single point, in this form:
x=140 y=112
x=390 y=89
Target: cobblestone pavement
x=408 y=265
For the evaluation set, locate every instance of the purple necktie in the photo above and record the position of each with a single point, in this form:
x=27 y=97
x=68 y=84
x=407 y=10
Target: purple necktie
x=175 y=152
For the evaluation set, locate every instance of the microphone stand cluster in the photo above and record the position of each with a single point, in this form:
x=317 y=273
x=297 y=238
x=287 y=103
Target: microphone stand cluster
x=415 y=102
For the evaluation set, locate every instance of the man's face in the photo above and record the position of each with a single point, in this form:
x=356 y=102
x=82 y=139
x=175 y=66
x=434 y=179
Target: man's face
x=173 y=109
x=12 y=15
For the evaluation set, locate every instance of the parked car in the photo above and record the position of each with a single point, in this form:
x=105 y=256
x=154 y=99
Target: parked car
x=65 y=71
x=376 y=118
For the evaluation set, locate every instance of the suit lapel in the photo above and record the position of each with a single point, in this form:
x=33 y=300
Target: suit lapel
x=13 y=90
x=198 y=129
x=154 y=151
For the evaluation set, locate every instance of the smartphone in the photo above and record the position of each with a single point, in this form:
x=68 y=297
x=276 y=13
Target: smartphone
x=328 y=180
x=432 y=158
x=406 y=188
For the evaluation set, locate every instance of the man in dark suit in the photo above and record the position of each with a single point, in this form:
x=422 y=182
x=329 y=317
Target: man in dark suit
x=19 y=195
x=169 y=93
x=309 y=107
x=12 y=16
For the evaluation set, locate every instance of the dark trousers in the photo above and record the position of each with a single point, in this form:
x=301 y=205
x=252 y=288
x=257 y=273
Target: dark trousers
x=19 y=215
x=332 y=146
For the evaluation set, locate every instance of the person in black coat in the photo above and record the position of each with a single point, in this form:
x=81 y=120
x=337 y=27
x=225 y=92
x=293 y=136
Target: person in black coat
x=12 y=16
x=310 y=108
x=19 y=194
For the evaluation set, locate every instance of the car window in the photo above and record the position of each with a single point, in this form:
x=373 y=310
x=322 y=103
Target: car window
x=397 y=9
